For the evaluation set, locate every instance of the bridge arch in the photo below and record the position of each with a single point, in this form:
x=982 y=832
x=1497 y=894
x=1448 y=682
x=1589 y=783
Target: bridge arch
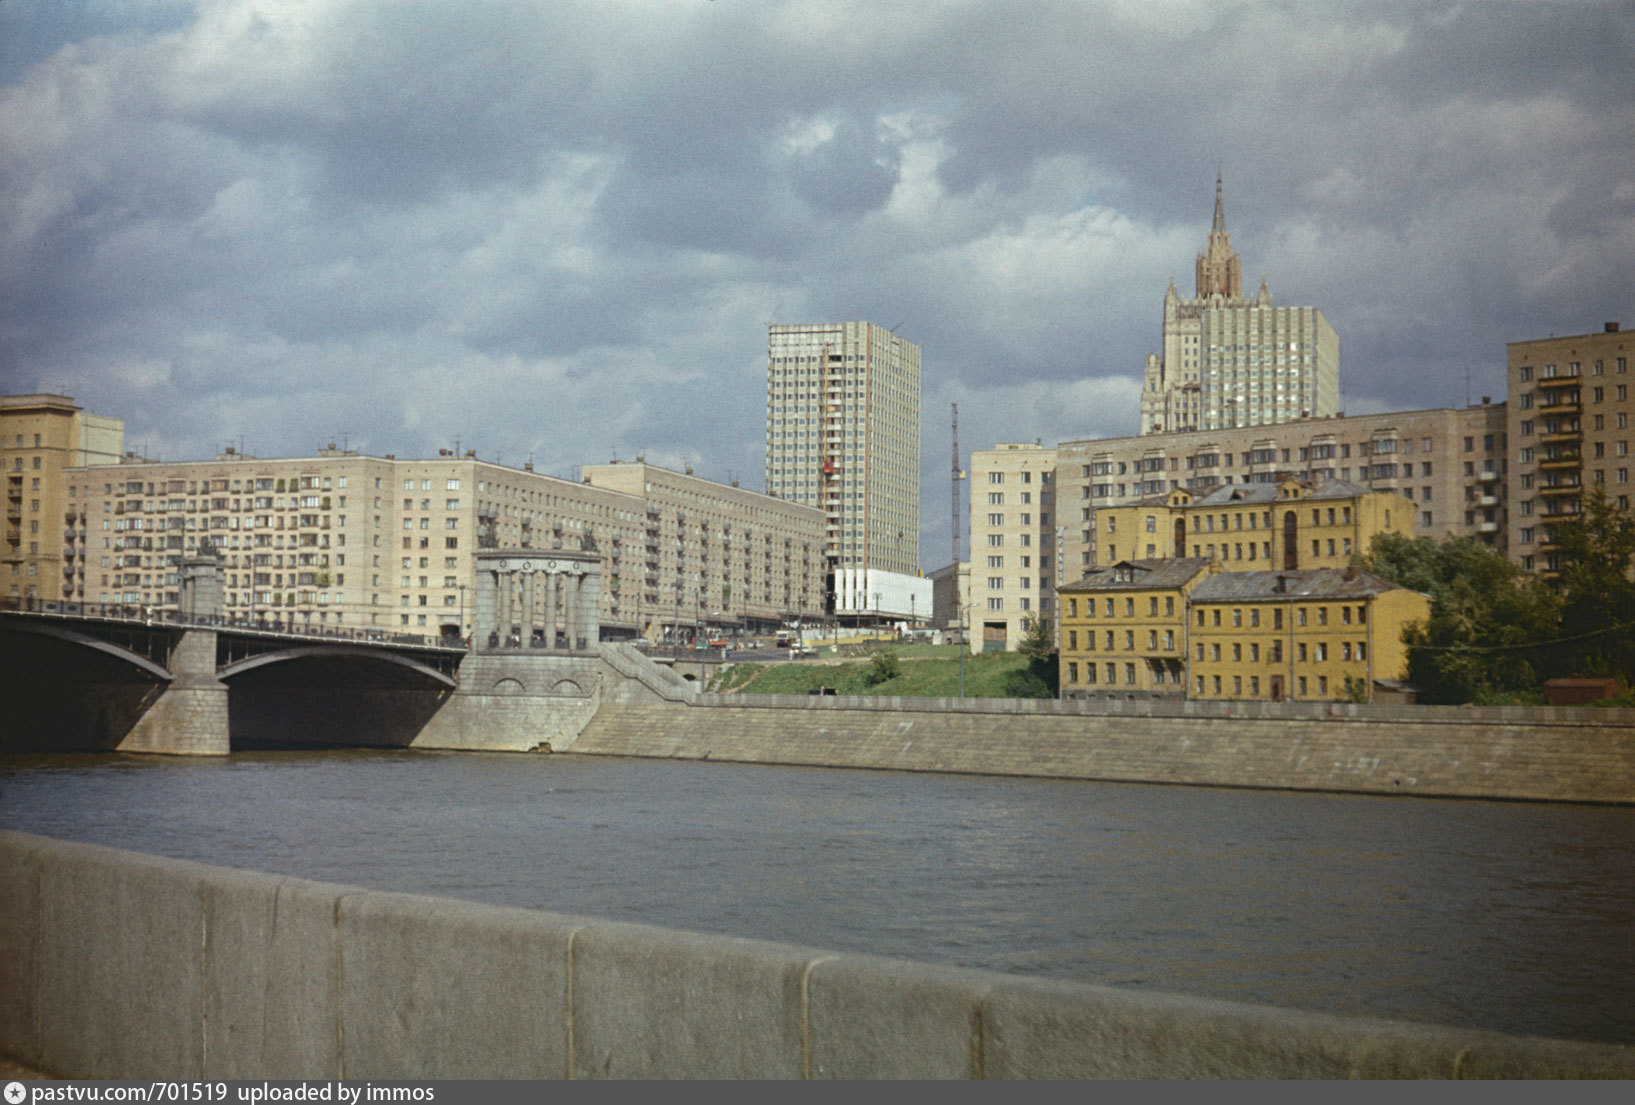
x=119 y=652
x=373 y=656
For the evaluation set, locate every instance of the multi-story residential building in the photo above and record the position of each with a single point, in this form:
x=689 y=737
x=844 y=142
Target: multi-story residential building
x=1325 y=633
x=1124 y=628
x=1249 y=527
x=1183 y=627
x=342 y=538
x=1449 y=462
x=1229 y=360
x=719 y=554
x=40 y=436
x=1014 y=569
x=1569 y=422
x=843 y=436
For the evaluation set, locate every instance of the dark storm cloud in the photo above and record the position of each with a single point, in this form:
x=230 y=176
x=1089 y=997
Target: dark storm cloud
x=558 y=230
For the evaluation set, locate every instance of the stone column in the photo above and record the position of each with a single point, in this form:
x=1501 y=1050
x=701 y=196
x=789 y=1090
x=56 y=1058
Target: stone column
x=550 y=610
x=570 y=608
x=485 y=615
x=528 y=582
x=507 y=601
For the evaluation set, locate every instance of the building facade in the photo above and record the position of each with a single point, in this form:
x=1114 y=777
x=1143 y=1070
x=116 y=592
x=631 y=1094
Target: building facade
x=1124 y=628
x=1231 y=360
x=1286 y=526
x=1451 y=463
x=843 y=437
x=720 y=555
x=1569 y=417
x=40 y=437
x=1014 y=568
x=1186 y=628
x=347 y=539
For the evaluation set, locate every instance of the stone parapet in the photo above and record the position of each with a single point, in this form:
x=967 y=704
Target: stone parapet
x=120 y=965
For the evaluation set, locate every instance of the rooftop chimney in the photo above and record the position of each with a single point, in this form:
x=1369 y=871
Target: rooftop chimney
x=1612 y=327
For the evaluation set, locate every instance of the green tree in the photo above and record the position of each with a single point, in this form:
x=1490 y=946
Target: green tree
x=1598 y=596
x=1491 y=624
x=1041 y=679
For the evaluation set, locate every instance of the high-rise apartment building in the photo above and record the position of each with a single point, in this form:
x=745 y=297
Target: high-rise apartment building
x=843 y=435
x=1570 y=412
x=40 y=436
x=1014 y=569
x=1229 y=360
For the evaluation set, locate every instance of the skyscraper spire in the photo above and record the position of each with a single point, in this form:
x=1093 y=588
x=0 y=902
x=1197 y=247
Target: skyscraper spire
x=1219 y=271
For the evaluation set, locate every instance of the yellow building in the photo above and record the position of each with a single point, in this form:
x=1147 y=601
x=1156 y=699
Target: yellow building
x=1287 y=526
x=40 y=436
x=1186 y=628
x=1124 y=629
x=1306 y=635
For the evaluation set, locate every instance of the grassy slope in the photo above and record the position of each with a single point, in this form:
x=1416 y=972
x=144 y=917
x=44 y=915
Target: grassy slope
x=939 y=678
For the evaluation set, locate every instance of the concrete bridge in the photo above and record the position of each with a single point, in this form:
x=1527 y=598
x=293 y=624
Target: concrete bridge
x=191 y=681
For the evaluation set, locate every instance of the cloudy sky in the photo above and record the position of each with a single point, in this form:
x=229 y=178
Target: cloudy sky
x=558 y=230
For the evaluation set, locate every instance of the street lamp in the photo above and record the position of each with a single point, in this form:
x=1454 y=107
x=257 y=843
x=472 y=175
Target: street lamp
x=462 y=611
x=965 y=642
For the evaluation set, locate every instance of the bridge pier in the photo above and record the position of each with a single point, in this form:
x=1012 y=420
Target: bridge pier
x=190 y=716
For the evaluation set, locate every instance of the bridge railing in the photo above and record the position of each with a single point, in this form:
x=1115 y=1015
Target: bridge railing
x=154 y=615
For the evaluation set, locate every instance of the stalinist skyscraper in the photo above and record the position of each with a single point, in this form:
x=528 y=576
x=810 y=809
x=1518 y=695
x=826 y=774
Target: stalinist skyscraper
x=1231 y=361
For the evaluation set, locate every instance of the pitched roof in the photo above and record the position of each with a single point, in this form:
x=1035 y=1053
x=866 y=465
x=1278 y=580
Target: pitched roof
x=1142 y=575
x=1310 y=583
x=1269 y=492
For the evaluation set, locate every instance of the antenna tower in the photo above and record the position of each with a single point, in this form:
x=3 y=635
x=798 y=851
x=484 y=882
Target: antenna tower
x=954 y=485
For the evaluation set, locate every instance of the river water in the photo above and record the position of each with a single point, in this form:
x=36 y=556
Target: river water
x=1517 y=917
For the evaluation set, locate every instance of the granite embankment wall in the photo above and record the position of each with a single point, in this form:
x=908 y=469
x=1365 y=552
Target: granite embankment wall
x=1572 y=755
x=119 y=965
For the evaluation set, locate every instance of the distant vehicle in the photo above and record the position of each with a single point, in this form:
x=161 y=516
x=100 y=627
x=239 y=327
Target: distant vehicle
x=799 y=651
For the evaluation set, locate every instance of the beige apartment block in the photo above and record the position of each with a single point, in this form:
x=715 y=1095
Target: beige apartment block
x=1569 y=419
x=1231 y=360
x=1014 y=570
x=40 y=437
x=346 y=539
x=843 y=437
x=1449 y=462
x=715 y=556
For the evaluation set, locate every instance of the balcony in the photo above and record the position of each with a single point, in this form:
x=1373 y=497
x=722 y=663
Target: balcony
x=1558 y=489
x=1572 y=459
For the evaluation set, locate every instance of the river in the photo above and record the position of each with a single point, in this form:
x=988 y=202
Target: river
x=1517 y=917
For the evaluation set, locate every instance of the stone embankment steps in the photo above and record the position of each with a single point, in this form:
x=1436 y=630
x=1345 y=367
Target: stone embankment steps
x=1440 y=753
